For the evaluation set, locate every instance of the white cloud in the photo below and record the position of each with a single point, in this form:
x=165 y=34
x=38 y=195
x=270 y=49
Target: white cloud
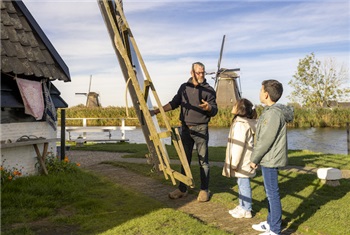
x=265 y=39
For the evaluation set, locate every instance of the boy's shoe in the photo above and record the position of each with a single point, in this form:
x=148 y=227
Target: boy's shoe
x=241 y=213
x=203 y=196
x=262 y=227
x=268 y=233
x=234 y=210
x=177 y=194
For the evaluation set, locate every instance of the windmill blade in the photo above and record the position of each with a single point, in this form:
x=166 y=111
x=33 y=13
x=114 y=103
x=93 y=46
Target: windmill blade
x=80 y=93
x=90 y=84
x=219 y=62
x=221 y=52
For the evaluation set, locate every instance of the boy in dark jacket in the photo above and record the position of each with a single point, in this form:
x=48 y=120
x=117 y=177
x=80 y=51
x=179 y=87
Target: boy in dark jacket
x=271 y=151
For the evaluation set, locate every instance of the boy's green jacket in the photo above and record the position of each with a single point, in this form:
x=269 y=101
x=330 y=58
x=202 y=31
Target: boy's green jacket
x=270 y=149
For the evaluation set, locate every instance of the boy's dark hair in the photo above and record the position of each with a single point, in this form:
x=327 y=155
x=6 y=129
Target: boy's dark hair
x=245 y=108
x=274 y=88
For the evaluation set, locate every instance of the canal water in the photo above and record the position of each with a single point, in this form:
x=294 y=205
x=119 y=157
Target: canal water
x=325 y=140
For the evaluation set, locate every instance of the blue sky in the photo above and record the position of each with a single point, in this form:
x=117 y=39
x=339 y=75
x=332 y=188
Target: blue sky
x=265 y=39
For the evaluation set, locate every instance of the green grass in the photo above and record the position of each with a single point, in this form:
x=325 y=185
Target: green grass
x=162 y=222
x=132 y=150
x=309 y=206
x=217 y=154
x=318 y=160
x=82 y=203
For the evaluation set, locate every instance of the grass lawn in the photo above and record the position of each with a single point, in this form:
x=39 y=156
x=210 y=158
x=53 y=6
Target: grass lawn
x=217 y=154
x=309 y=206
x=80 y=203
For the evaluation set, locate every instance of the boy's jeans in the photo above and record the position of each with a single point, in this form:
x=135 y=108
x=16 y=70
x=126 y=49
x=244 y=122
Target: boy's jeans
x=274 y=218
x=199 y=136
x=245 y=193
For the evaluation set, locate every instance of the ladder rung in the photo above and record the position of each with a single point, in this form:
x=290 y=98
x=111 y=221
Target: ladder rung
x=161 y=135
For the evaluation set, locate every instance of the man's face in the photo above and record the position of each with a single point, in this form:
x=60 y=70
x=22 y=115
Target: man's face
x=198 y=73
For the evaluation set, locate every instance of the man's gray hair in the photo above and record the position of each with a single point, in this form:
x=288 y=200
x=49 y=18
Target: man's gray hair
x=198 y=63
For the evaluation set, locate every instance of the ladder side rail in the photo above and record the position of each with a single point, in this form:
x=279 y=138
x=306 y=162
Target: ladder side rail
x=145 y=71
x=180 y=151
x=178 y=143
x=147 y=83
x=113 y=29
x=141 y=103
x=125 y=58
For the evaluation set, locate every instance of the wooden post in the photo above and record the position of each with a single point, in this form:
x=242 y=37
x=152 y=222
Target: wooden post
x=84 y=125
x=63 y=133
x=42 y=156
x=348 y=136
x=123 y=129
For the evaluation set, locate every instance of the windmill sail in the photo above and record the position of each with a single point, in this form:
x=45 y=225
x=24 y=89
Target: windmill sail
x=226 y=86
x=92 y=98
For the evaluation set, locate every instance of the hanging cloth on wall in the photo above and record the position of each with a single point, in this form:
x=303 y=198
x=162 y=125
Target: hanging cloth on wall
x=50 y=110
x=32 y=97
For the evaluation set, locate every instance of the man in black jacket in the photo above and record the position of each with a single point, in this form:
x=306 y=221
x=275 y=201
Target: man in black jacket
x=197 y=100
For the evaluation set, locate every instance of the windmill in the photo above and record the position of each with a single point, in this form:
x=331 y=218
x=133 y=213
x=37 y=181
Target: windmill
x=226 y=85
x=92 y=98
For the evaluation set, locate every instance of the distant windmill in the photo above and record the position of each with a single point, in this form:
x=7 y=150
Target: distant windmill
x=92 y=98
x=226 y=86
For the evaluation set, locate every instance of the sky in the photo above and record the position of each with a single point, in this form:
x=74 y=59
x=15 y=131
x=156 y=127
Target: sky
x=265 y=39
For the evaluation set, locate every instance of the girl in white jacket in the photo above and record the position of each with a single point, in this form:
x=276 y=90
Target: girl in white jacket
x=238 y=151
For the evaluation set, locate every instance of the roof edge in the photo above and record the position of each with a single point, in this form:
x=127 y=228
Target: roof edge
x=43 y=37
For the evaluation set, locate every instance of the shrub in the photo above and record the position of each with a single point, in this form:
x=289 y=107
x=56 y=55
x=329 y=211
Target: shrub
x=55 y=165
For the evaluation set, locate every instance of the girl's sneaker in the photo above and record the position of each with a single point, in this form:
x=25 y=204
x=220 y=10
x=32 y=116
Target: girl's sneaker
x=241 y=213
x=234 y=210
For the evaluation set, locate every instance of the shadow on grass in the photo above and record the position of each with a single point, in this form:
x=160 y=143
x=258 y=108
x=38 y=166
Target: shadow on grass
x=318 y=160
x=311 y=195
x=68 y=203
x=304 y=195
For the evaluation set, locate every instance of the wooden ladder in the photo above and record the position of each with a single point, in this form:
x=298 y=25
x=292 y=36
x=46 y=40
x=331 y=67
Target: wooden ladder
x=140 y=87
